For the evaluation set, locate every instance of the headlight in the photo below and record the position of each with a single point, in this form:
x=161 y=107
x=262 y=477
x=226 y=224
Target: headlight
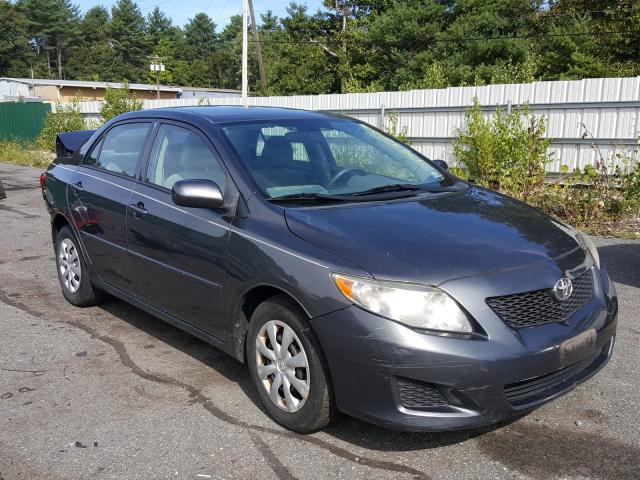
x=587 y=245
x=414 y=305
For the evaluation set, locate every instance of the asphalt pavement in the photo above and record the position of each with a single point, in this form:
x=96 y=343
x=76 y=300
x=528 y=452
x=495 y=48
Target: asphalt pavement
x=111 y=392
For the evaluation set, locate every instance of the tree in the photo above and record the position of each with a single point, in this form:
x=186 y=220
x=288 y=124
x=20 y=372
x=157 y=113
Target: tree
x=571 y=57
x=66 y=118
x=94 y=57
x=344 y=18
x=400 y=44
x=127 y=34
x=117 y=101
x=225 y=63
x=200 y=36
x=159 y=26
x=346 y=46
x=95 y=26
x=15 y=54
x=53 y=31
x=269 y=22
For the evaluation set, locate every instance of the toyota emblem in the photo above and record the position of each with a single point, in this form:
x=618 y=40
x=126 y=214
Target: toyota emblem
x=563 y=289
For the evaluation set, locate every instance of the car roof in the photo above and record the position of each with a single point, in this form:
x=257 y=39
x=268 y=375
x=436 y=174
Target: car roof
x=225 y=114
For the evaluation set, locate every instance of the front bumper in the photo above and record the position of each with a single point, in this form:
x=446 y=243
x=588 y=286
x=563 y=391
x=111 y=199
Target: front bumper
x=386 y=373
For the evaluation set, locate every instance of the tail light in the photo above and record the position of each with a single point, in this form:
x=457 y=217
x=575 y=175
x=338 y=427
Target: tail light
x=43 y=178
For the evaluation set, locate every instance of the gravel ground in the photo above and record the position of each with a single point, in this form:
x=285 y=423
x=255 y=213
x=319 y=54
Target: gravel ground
x=111 y=392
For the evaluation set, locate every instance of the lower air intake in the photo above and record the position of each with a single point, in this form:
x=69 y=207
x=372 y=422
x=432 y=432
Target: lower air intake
x=416 y=394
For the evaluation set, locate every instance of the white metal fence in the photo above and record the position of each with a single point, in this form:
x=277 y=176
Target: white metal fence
x=608 y=108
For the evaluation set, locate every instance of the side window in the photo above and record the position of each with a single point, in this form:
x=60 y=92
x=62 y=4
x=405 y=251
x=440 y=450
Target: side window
x=180 y=154
x=120 y=149
x=92 y=159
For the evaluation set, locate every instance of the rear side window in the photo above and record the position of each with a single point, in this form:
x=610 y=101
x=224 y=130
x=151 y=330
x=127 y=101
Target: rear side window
x=120 y=149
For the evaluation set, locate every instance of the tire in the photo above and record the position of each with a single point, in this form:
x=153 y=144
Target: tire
x=303 y=414
x=73 y=273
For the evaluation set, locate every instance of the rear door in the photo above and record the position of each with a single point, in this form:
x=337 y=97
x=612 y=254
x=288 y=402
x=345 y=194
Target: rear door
x=179 y=254
x=100 y=195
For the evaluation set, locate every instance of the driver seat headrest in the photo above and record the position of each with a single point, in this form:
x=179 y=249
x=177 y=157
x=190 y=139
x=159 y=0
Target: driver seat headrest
x=277 y=151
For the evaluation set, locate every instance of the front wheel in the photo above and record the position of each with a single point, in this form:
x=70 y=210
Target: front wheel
x=288 y=368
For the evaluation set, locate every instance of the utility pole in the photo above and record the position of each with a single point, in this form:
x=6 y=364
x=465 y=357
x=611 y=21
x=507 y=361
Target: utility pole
x=245 y=76
x=256 y=36
x=157 y=66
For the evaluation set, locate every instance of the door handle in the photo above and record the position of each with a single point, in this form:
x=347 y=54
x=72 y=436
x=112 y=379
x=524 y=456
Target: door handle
x=77 y=186
x=138 y=209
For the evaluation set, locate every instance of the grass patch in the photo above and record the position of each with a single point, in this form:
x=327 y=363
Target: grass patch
x=24 y=154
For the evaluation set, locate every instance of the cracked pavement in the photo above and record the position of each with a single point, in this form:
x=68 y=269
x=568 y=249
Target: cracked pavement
x=111 y=392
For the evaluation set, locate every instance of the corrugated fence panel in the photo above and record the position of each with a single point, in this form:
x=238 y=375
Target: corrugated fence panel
x=22 y=121
x=581 y=115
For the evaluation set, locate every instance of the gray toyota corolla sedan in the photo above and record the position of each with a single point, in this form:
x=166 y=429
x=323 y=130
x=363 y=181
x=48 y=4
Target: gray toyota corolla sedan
x=350 y=273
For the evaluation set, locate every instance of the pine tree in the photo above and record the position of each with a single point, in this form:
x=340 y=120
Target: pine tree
x=158 y=26
x=127 y=33
x=53 y=31
x=200 y=36
x=16 y=56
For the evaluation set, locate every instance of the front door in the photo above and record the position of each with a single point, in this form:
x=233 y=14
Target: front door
x=179 y=255
x=99 y=196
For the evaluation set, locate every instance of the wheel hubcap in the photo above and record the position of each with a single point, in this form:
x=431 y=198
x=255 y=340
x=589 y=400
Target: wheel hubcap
x=282 y=366
x=69 y=266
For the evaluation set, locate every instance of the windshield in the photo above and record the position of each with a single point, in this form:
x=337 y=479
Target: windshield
x=326 y=157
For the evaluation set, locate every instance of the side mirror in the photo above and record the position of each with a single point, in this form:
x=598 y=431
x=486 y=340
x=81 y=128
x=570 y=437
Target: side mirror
x=442 y=164
x=197 y=194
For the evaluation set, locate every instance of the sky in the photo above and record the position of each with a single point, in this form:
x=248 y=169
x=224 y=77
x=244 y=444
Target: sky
x=219 y=10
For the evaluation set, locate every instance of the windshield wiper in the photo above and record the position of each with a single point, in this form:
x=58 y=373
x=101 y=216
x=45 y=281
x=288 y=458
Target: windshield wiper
x=401 y=187
x=394 y=187
x=309 y=197
x=407 y=189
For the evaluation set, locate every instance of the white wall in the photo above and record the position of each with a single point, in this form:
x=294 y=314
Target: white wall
x=609 y=108
x=12 y=90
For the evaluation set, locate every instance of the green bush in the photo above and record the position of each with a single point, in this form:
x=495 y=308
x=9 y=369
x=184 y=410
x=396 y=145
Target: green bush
x=596 y=196
x=507 y=153
x=394 y=129
x=66 y=118
x=630 y=185
x=117 y=101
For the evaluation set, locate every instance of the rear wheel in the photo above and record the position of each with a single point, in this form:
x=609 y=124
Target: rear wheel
x=73 y=273
x=288 y=368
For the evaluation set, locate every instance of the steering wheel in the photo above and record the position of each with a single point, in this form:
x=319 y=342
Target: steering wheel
x=345 y=174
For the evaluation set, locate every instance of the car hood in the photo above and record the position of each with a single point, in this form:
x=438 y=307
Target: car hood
x=435 y=238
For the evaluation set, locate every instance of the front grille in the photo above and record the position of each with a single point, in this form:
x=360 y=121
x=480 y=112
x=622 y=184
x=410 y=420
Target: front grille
x=538 y=307
x=415 y=394
x=535 y=388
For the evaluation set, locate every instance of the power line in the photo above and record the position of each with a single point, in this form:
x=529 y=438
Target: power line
x=154 y=6
x=469 y=39
x=545 y=13
x=221 y=10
